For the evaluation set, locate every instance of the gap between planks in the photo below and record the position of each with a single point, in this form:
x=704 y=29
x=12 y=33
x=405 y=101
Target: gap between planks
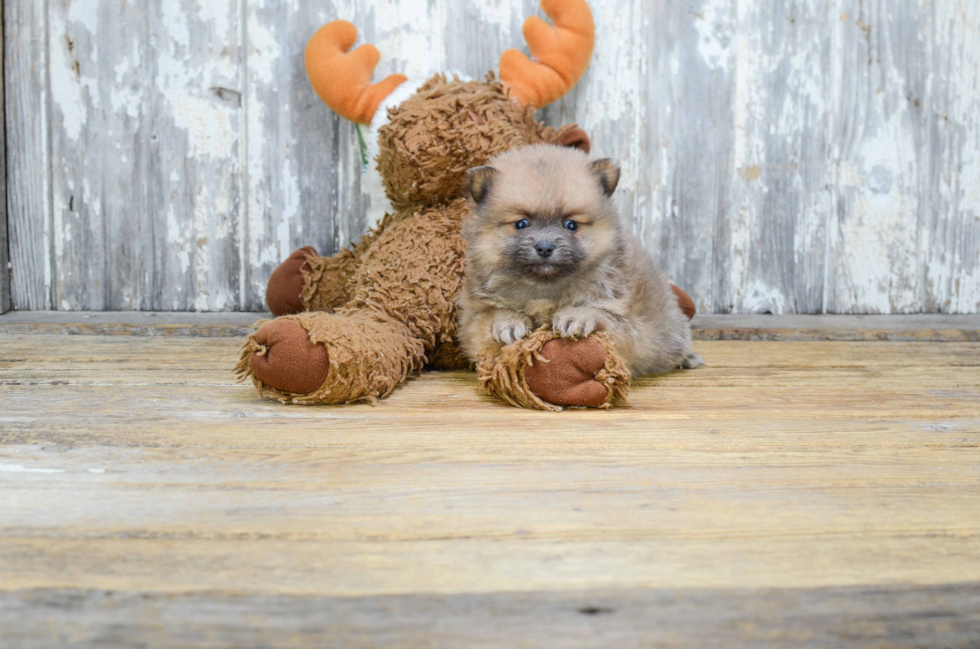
x=910 y=328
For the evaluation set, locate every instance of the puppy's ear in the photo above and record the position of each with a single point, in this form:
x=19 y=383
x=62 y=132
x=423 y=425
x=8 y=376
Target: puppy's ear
x=480 y=181
x=608 y=173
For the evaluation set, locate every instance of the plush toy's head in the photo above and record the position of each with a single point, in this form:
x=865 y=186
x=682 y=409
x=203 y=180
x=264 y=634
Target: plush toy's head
x=424 y=136
x=449 y=126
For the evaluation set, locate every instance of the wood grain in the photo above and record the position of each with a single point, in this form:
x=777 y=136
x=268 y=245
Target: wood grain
x=882 y=157
x=923 y=617
x=811 y=157
x=950 y=241
x=96 y=178
x=782 y=191
x=26 y=90
x=4 y=245
x=790 y=493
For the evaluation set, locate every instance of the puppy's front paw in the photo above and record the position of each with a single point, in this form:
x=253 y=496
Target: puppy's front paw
x=575 y=322
x=508 y=328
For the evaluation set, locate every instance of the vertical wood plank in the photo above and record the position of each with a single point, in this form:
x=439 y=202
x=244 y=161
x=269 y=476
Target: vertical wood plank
x=28 y=169
x=4 y=246
x=950 y=237
x=96 y=122
x=195 y=177
x=302 y=161
x=696 y=120
x=880 y=59
x=782 y=173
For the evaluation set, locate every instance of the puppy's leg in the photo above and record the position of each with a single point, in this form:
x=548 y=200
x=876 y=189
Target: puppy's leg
x=509 y=326
x=577 y=321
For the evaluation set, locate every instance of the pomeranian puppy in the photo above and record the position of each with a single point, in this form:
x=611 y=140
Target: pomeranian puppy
x=545 y=247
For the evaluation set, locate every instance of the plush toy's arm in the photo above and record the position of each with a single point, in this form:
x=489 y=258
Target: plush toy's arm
x=342 y=78
x=560 y=53
x=684 y=301
x=545 y=372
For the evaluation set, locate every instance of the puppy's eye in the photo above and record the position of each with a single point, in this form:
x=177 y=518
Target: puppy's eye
x=571 y=225
x=520 y=225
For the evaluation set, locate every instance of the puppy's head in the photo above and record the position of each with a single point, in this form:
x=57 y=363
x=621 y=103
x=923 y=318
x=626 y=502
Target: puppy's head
x=542 y=212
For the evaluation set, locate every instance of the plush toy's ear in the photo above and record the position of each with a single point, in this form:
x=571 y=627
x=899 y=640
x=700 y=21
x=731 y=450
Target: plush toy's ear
x=341 y=78
x=575 y=138
x=608 y=172
x=480 y=181
x=559 y=54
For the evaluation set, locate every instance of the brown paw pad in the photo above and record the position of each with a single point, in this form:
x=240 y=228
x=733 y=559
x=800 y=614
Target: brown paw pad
x=285 y=290
x=288 y=360
x=568 y=376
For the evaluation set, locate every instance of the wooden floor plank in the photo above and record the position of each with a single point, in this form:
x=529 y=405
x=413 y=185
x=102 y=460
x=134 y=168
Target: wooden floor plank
x=748 y=503
x=859 y=617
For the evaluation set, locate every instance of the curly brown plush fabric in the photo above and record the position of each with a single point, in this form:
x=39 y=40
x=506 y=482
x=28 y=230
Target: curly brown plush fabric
x=394 y=352
x=285 y=291
x=446 y=128
x=401 y=313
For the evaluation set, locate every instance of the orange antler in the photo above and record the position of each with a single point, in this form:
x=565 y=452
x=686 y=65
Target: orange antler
x=561 y=52
x=342 y=79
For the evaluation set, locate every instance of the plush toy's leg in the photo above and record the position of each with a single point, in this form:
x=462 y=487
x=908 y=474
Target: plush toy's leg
x=546 y=372
x=318 y=357
x=305 y=281
x=401 y=313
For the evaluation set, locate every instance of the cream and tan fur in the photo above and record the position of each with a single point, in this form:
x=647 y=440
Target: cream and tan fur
x=546 y=248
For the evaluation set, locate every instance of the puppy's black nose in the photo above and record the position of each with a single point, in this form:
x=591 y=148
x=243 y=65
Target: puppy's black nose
x=544 y=248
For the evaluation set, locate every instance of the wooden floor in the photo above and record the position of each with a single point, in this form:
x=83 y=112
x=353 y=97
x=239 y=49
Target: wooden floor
x=790 y=494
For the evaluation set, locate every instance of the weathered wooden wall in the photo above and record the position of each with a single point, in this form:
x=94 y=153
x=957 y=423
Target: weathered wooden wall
x=796 y=156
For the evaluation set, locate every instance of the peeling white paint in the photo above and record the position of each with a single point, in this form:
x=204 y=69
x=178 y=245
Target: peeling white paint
x=760 y=298
x=411 y=37
x=878 y=267
x=190 y=86
x=178 y=236
x=74 y=64
x=713 y=21
x=264 y=50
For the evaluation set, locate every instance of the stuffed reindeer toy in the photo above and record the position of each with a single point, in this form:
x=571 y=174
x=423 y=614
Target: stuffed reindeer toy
x=352 y=326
